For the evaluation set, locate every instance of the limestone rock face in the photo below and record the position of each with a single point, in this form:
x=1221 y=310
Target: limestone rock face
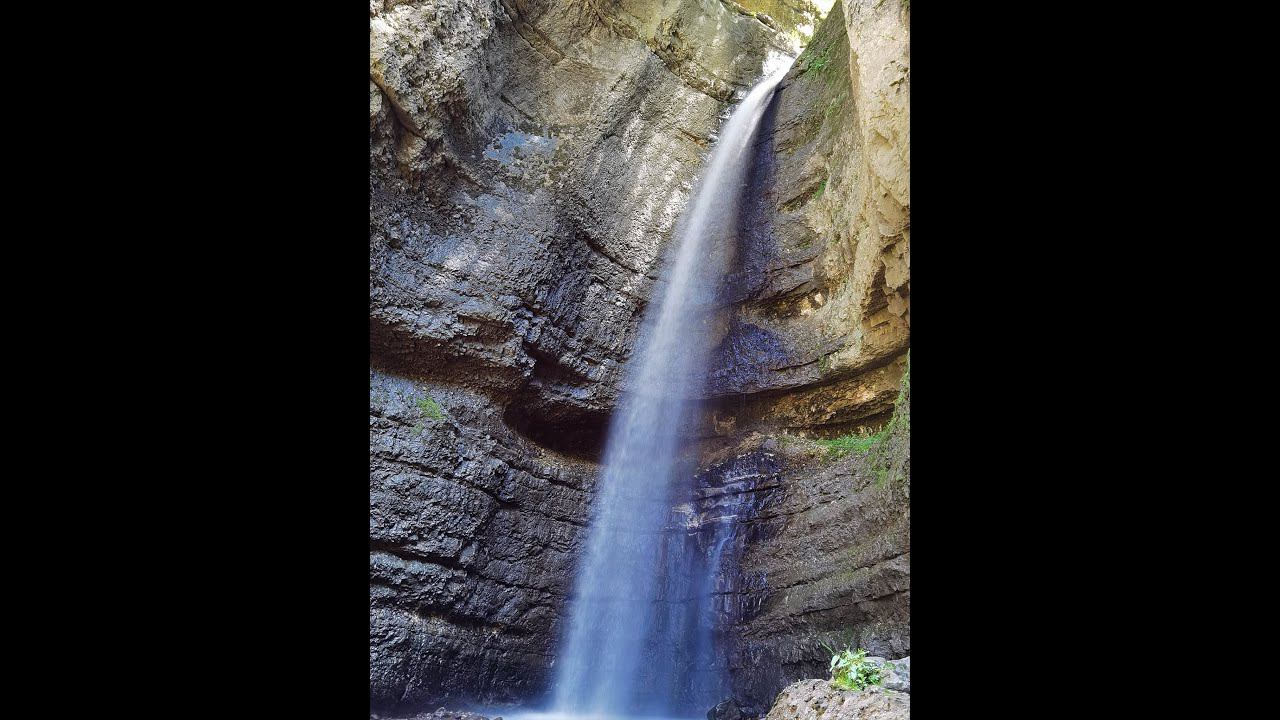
x=798 y=16
x=528 y=162
x=820 y=700
x=819 y=331
x=472 y=531
x=815 y=345
x=728 y=710
x=528 y=159
x=823 y=555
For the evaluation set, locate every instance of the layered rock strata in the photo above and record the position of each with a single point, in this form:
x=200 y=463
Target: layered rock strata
x=527 y=163
x=528 y=160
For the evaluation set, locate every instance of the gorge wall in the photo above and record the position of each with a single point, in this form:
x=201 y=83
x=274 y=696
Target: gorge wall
x=528 y=160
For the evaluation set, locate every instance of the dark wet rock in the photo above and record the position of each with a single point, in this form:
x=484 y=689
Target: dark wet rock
x=725 y=710
x=823 y=556
x=472 y=534
x=731 y=710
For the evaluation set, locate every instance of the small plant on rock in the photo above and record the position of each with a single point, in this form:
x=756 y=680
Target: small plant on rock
x=430 y=408
x=850 y=670
x=819 y=60
x=860 y=442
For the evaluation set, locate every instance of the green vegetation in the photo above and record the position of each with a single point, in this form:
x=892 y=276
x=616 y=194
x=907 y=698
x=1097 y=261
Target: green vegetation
x=887 y=452
x=430 y=408
x=861 y=441
x=817 y=57
x=901 y=410
x=887 y=461
x=850 y=670
x=819 y=60
x=890 y=459
x=822 y=187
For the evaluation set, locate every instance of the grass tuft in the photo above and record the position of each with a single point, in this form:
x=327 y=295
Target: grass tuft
x=860 y=442
x=430 y=408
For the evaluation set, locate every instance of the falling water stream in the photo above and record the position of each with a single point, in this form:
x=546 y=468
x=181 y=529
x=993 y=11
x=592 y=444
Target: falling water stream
x=639 y=639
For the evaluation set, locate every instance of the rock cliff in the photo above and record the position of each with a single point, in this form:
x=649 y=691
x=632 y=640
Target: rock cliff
x=822 y=552
x=528 y=161
x=815 y=346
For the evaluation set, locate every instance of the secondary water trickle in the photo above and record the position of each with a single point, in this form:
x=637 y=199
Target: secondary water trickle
x=639 y=641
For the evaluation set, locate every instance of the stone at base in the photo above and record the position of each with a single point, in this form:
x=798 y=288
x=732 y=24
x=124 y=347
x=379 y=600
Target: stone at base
x=727 y=710
x=820 y=700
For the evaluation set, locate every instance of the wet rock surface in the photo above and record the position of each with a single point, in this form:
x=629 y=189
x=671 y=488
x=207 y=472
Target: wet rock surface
x=472 y=532
x=821 y=556
x=731 y=710
x=816 y=341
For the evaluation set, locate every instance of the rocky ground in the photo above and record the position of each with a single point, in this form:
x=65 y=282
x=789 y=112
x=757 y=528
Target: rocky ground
x=441 y=714
x=814 y=699
x=820 y=700
x=528 y=160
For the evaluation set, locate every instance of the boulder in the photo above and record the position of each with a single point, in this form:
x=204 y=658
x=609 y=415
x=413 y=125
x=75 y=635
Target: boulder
x=820 y=700
x=731 y=710
x=898 y=675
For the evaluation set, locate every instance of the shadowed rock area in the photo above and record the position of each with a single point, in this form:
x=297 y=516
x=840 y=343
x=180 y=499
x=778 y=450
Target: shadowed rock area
x=472 y=530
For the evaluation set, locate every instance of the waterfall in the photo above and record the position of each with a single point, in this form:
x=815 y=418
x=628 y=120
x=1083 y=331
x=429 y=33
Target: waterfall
x=639 y=637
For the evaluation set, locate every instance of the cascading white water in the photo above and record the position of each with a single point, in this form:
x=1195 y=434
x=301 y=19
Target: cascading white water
x=626 y=652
